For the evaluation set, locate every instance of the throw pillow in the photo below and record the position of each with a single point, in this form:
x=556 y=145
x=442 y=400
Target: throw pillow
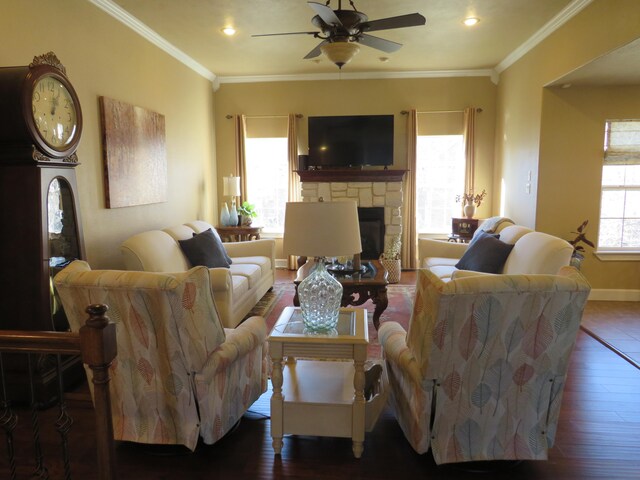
x=479 y=234
x=219 y=240
x=487 y=254
x=204 y=249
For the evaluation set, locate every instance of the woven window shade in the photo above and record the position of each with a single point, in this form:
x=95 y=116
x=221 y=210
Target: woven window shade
x=622 y=142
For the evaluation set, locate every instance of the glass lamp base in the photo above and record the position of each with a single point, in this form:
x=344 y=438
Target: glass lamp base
x=320 y=295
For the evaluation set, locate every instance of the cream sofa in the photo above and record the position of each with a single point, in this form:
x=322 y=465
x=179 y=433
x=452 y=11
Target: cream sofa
x=533 y=252
x=236 y=289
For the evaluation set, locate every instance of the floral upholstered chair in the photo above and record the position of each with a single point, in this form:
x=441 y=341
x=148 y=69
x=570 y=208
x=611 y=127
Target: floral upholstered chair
x=480 y=374
x=179 y=374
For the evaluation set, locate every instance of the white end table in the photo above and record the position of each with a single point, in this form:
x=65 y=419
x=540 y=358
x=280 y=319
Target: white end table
x=314 y=396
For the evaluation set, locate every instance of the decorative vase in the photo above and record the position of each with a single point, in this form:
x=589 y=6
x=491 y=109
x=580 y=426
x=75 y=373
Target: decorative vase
x=224 y=215
x=233 y=216
x=246 y=220
x=320 y=295
x=576 y=260
x=469 y=210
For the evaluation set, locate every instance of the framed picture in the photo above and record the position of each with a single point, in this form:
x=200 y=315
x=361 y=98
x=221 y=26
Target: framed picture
x=135 y=160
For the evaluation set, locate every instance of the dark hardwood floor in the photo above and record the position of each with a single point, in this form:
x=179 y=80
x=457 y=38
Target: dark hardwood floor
x=598 y=437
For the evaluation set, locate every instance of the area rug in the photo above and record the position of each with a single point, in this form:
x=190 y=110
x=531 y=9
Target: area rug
x=399 y=309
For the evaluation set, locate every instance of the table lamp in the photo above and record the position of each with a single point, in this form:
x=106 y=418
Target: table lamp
x=319 y=230
x=231 y=188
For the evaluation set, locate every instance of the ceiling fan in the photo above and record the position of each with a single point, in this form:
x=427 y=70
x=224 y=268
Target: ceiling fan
x=342 y=30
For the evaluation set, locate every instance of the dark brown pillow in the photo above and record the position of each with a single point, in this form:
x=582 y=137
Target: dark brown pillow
x=204 y=249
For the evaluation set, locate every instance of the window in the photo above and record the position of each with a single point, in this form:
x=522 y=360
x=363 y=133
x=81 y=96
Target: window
x=620 y=201
x=439 y=178
x=267 y=180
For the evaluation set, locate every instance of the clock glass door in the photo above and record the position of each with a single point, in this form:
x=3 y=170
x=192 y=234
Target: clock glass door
x=63 y=239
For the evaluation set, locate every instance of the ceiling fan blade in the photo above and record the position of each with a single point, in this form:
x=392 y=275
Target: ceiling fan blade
x=378 y=43
x=409 y=20
x=316 y=51
x=325 y=13
x=287 y=33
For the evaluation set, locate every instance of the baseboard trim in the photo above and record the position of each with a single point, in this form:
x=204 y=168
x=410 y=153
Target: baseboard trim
x=615 y=295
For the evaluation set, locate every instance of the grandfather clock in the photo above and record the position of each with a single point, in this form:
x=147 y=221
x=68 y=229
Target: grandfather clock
x=40 y=128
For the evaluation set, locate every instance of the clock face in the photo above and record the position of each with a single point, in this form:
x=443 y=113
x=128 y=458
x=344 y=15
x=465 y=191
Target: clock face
x=54 y=112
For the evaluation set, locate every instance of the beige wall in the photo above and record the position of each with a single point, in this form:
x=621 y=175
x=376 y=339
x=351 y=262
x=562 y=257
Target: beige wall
x=105 y=58
x=571 y=148
x=600 y=28
x=362 y=97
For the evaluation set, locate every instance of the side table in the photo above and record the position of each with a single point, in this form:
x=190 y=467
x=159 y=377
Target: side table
x=315 y=396
x=239 y=233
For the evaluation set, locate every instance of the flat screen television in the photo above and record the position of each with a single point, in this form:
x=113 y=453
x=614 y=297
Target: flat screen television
x=348 y=141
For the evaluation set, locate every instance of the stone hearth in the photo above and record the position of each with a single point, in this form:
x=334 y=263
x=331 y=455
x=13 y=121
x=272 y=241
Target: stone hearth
x=367 y=194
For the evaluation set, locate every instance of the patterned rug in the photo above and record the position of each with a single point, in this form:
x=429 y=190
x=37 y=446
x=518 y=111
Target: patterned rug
x=399 y=309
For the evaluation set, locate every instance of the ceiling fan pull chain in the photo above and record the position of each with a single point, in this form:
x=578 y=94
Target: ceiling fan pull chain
x=353 y=6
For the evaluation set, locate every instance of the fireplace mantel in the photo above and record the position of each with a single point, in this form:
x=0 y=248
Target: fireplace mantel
x=351 y=175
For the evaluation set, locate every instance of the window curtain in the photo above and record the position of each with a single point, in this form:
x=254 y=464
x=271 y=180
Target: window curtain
x=469 y=148
x=294 y=180
x=409 y=233
x=241 y=161
x=622 y=142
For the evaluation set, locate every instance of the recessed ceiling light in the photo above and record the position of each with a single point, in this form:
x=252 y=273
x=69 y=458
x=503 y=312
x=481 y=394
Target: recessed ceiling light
x=384 y=59
x=229 y=31
x=469 y=22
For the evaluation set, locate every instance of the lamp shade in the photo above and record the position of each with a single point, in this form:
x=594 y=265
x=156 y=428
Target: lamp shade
x=321 y=229
x=231 y=186
x=340 y=53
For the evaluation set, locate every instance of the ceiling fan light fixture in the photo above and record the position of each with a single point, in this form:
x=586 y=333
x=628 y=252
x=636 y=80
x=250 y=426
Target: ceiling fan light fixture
x=340 y=53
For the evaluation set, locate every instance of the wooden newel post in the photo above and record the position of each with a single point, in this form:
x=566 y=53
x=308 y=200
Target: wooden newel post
x=98 y=347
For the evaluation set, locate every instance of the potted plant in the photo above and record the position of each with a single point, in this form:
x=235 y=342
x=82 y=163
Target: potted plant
x=470 y=202
x=390 y=258
x=578 y=250
x=247 y=212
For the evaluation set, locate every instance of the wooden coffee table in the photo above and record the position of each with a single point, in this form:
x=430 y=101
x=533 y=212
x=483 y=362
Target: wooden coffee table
x=357 y=288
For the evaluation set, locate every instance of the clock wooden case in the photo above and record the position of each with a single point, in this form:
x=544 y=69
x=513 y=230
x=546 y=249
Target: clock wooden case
x=40 y=128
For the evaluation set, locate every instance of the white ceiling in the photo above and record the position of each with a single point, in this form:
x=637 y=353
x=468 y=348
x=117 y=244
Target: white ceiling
x=619 y=67
x=191 y=29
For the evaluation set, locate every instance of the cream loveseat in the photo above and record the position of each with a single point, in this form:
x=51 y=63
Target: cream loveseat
x=532 y=252
x=236 y=289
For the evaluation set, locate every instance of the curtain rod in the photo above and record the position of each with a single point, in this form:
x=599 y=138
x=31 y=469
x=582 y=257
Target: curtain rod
x=406 y=112
x=298 y=115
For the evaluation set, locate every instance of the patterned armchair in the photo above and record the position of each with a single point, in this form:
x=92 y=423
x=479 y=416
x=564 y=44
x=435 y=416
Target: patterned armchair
x=480 y=374
x=179 y=374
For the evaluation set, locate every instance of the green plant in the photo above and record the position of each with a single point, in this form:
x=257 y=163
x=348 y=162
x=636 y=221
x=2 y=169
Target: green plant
x=470 y=198
x=581 y=238
x=248 y=210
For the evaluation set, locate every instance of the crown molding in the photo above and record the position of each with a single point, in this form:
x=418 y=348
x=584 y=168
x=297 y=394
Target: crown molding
x=143 y=30
x=567 y=13
x=147 y=33
x=360 y=76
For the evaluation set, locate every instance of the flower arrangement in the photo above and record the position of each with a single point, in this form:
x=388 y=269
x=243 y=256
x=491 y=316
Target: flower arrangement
x=392 y=247
x=471 y=199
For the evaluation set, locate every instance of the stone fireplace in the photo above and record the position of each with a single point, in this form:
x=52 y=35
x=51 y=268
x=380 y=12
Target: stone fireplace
x=377 y=192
